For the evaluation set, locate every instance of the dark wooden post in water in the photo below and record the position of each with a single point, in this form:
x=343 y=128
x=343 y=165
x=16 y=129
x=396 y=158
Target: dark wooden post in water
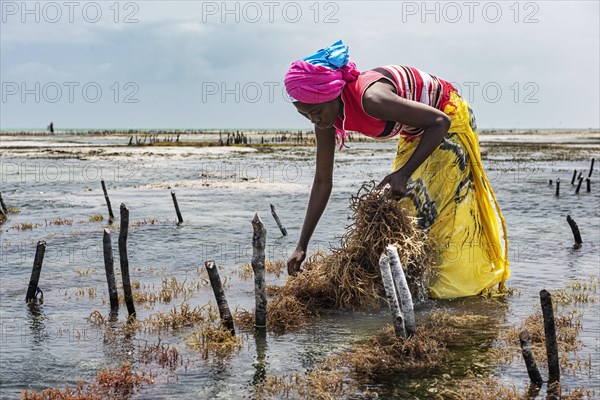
x=575 y=230
x=123 y=232
x=390 y=291
x=111 y=216
x=591 y=168
x=588 y=183
x=574 y=176
x=532 y=368
x=179 y=217
x=215 y=282
x=550 y=333
x=2 y=205
x=259 y=239
x=557 y=187
x=578 y=185
x=110 y=271
x=549 y=182
x=36 y=271
x=278 y=221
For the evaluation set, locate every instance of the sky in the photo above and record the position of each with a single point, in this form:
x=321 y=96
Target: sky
x=214 y=64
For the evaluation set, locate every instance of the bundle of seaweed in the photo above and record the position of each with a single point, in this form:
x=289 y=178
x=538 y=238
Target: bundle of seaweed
x=211 y=338
x=319 y=384
x=112 y=383
x=284 y=314
x=385 y=353
x=345 y=374
x=348 y=278
x=568 y=327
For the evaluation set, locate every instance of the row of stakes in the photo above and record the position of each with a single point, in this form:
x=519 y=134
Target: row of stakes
x=393 y=278
x=588 y=181
x=111 y=216
x=547 y=308
x=257 y=262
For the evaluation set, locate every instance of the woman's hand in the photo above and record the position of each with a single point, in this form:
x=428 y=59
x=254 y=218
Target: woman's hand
x=397 y=180
x=295 y=261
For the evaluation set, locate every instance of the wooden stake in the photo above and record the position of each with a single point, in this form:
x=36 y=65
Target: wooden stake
x=278 y=221
x=32 y=289
x=124 y=260
x=179 y=217
x=404 y=295
x=574 y=176
x=111 y=216
x=532 y=368
x=588 y=184
x=550 y=333
x=591 y=168
x=578 y=185
x=390 y=291
x=575 y=230
x=110 y=271
x=215 y=282
x=557 y=187
x=259 y=239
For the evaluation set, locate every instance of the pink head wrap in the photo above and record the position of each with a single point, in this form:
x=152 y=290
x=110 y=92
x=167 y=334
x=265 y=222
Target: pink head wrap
x=321 y=77
x=312 y=84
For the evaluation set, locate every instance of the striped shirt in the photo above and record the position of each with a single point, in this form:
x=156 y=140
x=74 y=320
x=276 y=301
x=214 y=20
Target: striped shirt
x=410 y=83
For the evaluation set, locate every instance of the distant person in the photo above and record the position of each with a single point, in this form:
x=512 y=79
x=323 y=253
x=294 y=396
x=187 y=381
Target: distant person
x=51 y=127
x=437 y=170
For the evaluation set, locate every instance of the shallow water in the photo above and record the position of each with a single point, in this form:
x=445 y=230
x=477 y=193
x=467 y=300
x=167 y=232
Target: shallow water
x=219 y=190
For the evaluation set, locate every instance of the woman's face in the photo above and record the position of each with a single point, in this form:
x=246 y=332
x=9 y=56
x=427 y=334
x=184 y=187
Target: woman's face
x=323 y=115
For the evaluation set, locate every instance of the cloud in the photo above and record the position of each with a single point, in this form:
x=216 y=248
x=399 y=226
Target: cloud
x=171 y=50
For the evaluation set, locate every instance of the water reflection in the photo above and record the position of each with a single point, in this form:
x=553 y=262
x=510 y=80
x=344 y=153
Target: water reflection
x=260 y=365
x=119 y=341
x=36 y=320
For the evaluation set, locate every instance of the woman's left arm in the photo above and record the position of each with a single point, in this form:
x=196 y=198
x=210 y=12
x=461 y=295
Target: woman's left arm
x=381 y=102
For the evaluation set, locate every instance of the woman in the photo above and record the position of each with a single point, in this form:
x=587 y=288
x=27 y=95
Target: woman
x=437 y=170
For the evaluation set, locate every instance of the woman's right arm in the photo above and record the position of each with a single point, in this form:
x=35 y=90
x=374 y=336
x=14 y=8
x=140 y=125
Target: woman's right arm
x=319 y=195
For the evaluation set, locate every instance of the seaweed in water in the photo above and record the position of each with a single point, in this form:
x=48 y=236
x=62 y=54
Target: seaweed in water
x=348 y=278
